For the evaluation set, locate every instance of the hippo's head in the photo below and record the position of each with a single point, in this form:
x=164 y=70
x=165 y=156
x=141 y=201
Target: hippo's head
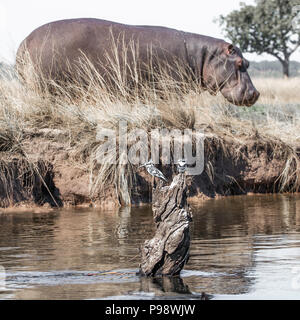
x=227 y=72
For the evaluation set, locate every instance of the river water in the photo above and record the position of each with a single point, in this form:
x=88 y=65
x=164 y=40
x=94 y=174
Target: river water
x=243 y=247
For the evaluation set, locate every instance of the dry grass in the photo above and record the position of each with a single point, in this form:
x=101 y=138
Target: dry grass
x=168 y=103
x=278 y=91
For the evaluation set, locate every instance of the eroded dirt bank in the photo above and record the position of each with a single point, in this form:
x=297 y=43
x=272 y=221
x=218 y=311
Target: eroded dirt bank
x=49 y=173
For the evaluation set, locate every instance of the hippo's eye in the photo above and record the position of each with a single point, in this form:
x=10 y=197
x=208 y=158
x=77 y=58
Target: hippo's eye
x=230 y=50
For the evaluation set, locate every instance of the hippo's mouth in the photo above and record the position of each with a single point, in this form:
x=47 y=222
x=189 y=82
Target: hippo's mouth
x=247 y=98
x=242 y=102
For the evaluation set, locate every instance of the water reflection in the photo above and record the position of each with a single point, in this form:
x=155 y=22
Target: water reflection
x=243 y=246
x=164 y=285
x=226 y=234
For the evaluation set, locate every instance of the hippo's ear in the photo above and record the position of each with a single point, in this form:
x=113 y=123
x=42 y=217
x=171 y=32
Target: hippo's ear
x=229 y=49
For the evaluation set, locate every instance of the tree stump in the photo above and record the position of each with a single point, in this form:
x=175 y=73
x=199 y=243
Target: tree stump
x=168 y=251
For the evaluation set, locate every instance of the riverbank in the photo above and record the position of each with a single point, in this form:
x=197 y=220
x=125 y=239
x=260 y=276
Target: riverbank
x=49 y=145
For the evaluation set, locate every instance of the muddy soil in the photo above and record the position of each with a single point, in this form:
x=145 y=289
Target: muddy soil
x=50 y=174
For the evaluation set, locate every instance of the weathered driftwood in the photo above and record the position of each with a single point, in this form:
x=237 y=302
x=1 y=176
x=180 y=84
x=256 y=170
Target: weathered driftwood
x=168 y=251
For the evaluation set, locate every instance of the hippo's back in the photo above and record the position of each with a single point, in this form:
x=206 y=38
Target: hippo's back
x=56 y=48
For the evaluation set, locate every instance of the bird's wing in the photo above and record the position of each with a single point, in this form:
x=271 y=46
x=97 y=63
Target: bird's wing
x=159 y=174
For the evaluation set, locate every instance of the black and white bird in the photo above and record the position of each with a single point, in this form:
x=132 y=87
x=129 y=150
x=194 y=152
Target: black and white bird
x=153 y=171
x=181 y=165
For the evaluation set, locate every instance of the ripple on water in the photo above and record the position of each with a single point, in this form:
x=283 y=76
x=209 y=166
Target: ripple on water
x=52 y=278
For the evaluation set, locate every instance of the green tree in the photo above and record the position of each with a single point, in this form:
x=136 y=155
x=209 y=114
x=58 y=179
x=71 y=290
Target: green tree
x=270 y=26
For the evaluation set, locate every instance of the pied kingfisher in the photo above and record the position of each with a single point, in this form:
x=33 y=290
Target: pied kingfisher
x=153 y=171
x=181 y=165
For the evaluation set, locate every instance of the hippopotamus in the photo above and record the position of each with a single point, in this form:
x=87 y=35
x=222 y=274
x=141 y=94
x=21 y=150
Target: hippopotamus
x=57 y=47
